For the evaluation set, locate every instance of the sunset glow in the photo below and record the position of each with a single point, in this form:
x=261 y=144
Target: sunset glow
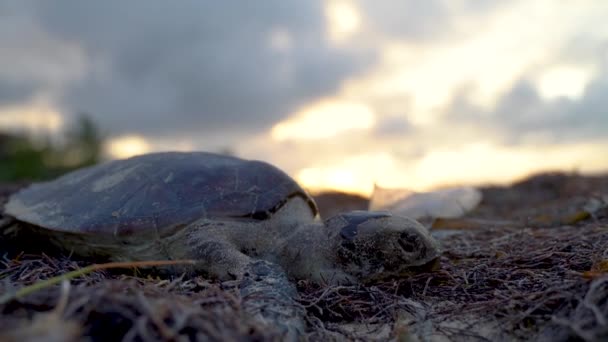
x=343 y=19
x=471 y=165
x=127 y=146
x=355 y=174
x=324 y=120
x=564 y=81
x=37 y=118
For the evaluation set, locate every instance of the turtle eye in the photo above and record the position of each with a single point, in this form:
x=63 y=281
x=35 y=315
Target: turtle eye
x=349 y=231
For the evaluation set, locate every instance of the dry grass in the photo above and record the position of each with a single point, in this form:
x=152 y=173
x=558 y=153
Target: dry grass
x=519 y=281
x=113 y=306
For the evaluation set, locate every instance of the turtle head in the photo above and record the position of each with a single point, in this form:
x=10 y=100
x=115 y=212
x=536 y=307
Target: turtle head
x=372 y=246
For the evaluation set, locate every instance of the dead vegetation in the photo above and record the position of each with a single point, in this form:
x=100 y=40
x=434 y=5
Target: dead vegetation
x=526 y=279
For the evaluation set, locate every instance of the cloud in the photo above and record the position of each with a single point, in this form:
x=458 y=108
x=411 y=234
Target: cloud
x=392 y=126
x=410 y=19
x=522 y=116
x=423 y=21
x=31 y=62
x=13 y=92
x=197 y=67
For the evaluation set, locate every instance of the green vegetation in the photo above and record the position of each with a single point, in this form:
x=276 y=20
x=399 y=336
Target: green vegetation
x=23 y=158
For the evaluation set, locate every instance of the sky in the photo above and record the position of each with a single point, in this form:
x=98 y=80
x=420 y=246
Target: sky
x=341 y=94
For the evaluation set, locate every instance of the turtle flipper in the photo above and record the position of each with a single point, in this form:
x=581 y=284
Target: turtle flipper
x=268 y=295
x=215 y=257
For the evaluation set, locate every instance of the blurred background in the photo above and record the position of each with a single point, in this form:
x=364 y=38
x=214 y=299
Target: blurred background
x=341 y=94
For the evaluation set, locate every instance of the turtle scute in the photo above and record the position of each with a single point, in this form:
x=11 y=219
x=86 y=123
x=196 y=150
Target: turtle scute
x=155 y=194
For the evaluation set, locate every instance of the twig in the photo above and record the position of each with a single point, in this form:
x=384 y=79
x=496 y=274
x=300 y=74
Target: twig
x=24 y=291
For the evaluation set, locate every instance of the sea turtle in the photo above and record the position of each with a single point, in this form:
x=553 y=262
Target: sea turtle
x=222 y=211
x=240 y=219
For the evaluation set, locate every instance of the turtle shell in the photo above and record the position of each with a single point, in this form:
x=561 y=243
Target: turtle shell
x=159 y=191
